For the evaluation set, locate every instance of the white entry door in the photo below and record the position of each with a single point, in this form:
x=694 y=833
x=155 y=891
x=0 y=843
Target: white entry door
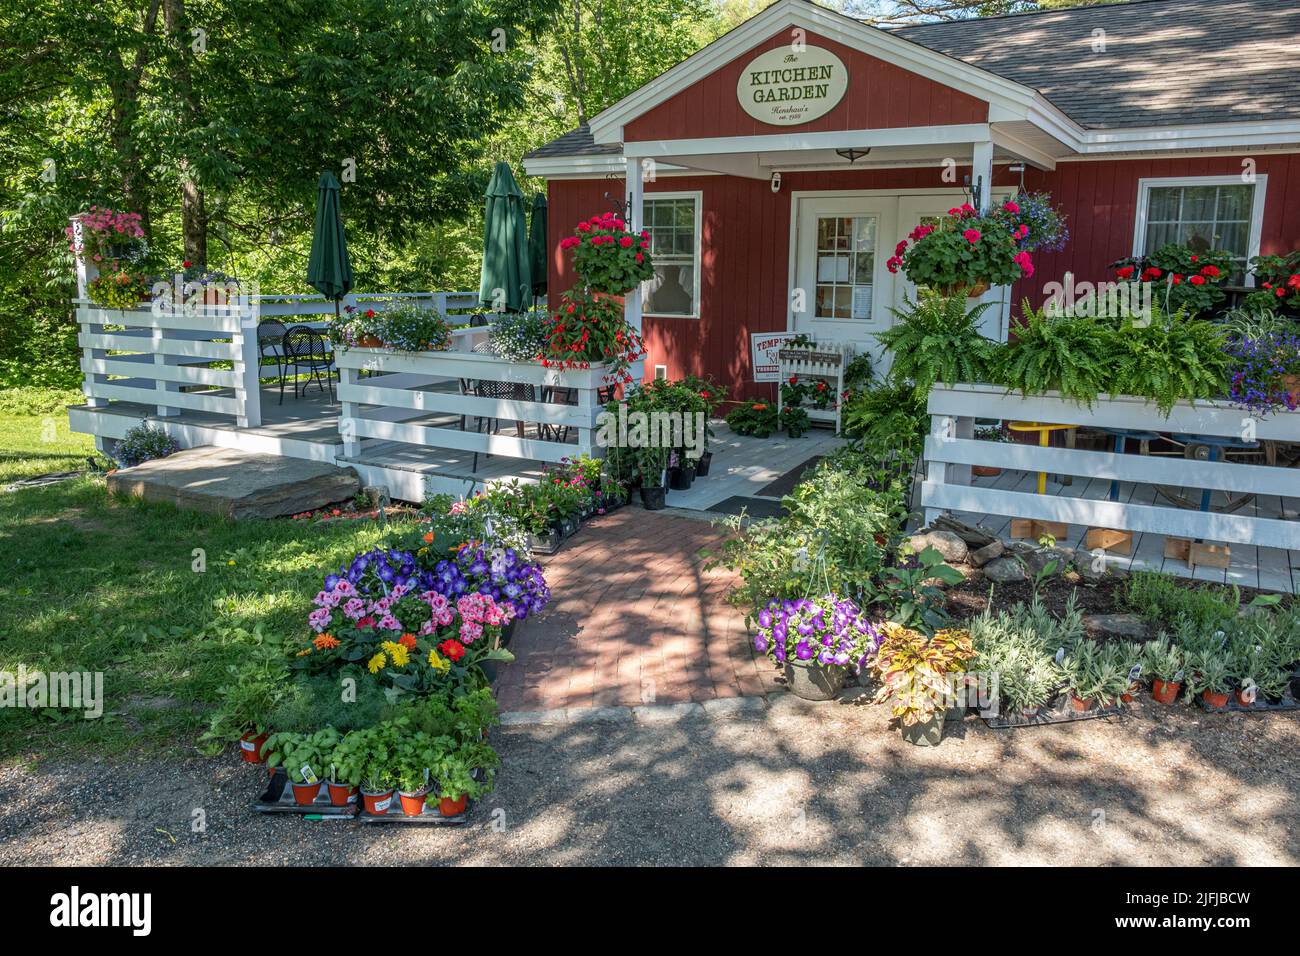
x=840 y=277
x=929 y=209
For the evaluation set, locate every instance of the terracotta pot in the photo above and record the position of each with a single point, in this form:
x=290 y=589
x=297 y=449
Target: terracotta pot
x=985 y=471
x=1165 y=692
x=341 y=794
x=1133 y=690
x=413 y=803
x=1292 y=385
x=1079 y=705
x=250 y=747
x=1242 y=700
x=369 y=342
x=1215 y=700
x=452 y=808
x=305 y=794
x=377 y=803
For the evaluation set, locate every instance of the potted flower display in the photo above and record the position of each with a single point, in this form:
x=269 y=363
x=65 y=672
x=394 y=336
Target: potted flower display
x=965 y=253
x=918 y=675
x=1278 y=279
x=817 y=641
x=120 y=290
x=651 y=463
x=1266 y=372
x=305 y=759
x=518 y=336
x=753 y=417
x=1187 y=280
x=794 y=420
x=1164 y=662
x=608 y=256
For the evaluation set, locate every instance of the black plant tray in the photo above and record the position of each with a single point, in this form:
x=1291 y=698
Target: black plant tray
x=430 y=817
x=278 y=798
x=1259 y=707
x=548 y=545
x=1062 y=712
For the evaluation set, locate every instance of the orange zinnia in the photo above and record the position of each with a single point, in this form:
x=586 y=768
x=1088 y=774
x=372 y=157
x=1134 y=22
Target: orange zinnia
x=407 y=641
x=326 y=643
x=428 y=537
x=760 y=408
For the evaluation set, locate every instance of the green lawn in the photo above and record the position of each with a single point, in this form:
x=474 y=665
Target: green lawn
x=93 y=583
x=34 y=436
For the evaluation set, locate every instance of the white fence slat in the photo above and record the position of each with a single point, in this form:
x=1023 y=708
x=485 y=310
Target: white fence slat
x=469 y=365
x=1179 y=472
x=1180 y=522
x=434 y=437
x=454 y=404
x=183 y=374
x=144 y=344
x=196 y=401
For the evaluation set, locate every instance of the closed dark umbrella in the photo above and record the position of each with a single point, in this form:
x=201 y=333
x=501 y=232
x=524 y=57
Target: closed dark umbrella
x=537 y=252
x=507 y=283
x=328 y=271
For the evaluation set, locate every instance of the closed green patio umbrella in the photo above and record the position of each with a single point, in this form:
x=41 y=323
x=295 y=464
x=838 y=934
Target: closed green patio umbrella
x=537 y=245
x=507 y=283
x=328 y=271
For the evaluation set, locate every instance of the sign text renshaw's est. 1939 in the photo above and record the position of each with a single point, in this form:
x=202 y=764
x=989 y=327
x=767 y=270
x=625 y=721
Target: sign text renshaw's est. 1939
x=783 y=87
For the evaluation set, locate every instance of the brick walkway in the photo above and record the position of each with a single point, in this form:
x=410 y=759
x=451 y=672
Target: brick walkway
x=633 y=620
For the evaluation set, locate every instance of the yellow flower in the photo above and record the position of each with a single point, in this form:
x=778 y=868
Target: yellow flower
x=377 y=663
x=438 y=662
x=401 y=656
x=305 y=652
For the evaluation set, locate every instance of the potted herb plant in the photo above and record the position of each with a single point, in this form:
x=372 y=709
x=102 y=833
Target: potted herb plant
x=816 y=641
x=1208 y=677
x=651 y=463
x=464 y=773
x=347 y=764
x=1164 y=662
x=415 y=754
x=1094 y=675
x=917 y=676
x=379 y=773
x=305 y=759
x=243 y=708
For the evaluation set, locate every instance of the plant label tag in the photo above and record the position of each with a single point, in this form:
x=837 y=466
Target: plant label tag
x=1249 y=691
x=426 y=776
x=308 y=775
x=381 y=806
x=1177 y=678
x=248 y=745
x=1135 y=672
x=1060 y=655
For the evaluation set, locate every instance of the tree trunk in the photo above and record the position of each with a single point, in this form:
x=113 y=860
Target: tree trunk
x=194 y=220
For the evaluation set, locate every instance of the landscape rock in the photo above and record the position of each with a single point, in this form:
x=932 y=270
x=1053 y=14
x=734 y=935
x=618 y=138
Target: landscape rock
x=947 y=543
x=1125 y=626
x=987 y=553
x=1039 y=559
x=1083 y=564
x=236 y=484
x=1004 y=571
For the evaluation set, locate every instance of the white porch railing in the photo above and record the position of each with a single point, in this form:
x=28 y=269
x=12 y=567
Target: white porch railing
x=399 y=381
x=951 y=449
x=167 y=360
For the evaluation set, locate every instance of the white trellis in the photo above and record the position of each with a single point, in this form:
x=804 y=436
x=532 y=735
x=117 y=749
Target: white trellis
x=824 y=362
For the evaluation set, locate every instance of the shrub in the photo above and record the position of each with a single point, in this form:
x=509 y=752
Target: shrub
x=144 y=443
x=888 y=422
x=1161 y=599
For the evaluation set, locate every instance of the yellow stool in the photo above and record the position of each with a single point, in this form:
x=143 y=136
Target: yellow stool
x=1044 y=432
x=1034 y=529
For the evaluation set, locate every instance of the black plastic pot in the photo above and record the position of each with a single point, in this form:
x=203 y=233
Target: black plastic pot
x=652 y=498
x=702 y=465
x=548 y=543
x=508 y=633
x=681 y=477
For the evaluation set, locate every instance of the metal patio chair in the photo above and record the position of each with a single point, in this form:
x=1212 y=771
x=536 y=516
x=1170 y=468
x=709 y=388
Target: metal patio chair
x=270 y=346
x=305 y=348
x=482 y=388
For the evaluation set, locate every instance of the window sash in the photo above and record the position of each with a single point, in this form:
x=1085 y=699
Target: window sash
x=673 y=222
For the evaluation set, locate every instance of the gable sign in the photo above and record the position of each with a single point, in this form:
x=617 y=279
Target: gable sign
x=783 y=87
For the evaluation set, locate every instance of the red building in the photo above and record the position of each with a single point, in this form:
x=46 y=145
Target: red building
x=778 y=167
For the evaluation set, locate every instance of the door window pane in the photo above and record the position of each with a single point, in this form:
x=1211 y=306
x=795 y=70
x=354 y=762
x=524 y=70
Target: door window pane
x=845 y=267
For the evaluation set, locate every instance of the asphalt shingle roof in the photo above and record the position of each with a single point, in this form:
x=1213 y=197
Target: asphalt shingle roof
x=1164 y=62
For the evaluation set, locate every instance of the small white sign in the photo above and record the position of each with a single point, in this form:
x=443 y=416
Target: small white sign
x=833 y=269
x=862 y=303
x=764 y=347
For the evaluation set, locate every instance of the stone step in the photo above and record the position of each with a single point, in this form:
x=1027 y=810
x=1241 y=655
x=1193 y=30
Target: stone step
x=236 y=484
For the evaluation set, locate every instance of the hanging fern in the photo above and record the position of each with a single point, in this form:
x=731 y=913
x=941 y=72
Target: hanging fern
x=936 y=339
x=1171 y=359
x=1073 y=356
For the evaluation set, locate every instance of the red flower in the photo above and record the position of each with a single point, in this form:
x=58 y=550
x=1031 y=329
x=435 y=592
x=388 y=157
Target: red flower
x=407 y=641
x=1151 y=273
x=366 y=621
x=1294 y=282
x=1211 y=272
x=1176 y=279
x=794 y=379
x=1196 y=280
x=1125 y=273
x=972 y=236
x=186 y=264
x=452 y=649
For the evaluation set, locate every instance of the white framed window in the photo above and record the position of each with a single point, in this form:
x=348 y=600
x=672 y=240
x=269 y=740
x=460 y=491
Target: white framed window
x=673 y=221
x=1202 y=212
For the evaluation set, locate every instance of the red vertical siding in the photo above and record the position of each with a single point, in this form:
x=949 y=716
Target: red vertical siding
x=746 y=232
x=880 y=96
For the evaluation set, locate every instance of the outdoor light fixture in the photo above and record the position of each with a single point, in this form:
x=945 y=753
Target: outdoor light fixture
x=776 y=182
x=853 y=154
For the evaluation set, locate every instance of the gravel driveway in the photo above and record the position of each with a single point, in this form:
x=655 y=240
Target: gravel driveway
x=788 y=783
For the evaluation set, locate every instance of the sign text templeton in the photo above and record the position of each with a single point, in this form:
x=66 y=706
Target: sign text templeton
x=785 y=88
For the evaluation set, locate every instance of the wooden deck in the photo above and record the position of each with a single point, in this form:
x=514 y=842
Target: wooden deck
x=1270 y=569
